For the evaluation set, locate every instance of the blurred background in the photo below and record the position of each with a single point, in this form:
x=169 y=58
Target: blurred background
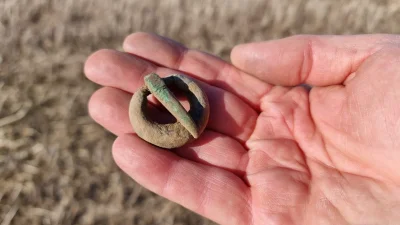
x=55 y=162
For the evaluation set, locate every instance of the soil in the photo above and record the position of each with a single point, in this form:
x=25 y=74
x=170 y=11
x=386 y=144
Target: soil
x=55 y=162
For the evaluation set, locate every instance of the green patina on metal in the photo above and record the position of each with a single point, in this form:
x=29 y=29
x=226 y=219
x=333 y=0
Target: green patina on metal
x=189 y=125
x=160 y=90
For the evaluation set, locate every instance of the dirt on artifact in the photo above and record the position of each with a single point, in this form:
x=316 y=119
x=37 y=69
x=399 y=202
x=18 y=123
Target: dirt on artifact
x=55 y=162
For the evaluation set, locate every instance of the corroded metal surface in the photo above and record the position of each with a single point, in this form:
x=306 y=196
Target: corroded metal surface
x=189 y=125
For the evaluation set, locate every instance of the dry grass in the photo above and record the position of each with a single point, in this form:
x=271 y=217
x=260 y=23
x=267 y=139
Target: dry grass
x=55 y=163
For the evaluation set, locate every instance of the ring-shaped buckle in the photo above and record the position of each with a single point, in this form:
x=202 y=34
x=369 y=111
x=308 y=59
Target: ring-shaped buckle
x=189 y=125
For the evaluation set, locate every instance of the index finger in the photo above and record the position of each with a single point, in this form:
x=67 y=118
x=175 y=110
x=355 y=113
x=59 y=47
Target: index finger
x=200 y=65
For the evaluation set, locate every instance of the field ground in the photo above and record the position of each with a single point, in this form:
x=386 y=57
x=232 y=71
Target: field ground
x=55 y=162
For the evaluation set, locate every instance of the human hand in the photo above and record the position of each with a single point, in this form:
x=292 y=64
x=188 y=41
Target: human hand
x=270 y=154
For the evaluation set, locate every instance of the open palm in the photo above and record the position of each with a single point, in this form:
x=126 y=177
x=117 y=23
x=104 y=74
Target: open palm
x=273 y=151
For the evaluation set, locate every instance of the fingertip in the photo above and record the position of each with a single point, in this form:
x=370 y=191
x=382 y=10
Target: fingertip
x=121 y=149
x=236 y=55
x=129 y=44
x=93 y=104
x=108 y=107
x=244 y=55
x=130 y=149
x=130 y=152
x=96 y=65
x=143 y=162
x=89 y=66
x=155 y=48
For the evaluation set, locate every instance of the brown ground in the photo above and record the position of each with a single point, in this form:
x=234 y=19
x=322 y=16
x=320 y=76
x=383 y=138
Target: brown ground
x=55 y=162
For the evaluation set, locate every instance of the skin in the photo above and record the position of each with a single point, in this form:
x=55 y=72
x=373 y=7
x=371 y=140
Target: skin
x=270 y=154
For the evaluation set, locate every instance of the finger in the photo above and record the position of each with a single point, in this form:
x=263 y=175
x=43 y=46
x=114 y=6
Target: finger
x=216 y=150
x=109 y=106
x=228 y=113
x=203 y=66
x=209 y=191
x=315 y=60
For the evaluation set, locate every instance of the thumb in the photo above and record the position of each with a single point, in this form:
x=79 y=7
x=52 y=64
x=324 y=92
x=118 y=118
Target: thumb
x=315 y=60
